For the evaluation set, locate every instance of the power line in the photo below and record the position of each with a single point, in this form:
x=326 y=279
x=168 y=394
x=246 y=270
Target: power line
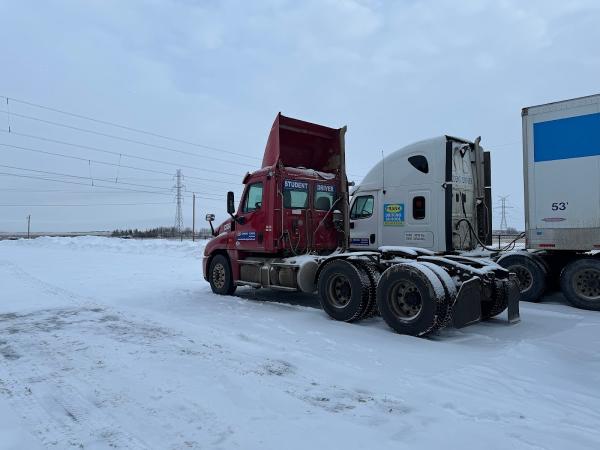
x=131 y=141
x=120 y=138
x=47 y=172
x=125 y=127
x=83 y=204
x=125 y=166
x=116 y=153
x=62 y=191
x=90 y=186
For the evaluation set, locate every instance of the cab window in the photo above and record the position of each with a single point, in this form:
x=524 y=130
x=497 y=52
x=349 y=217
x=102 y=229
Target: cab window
x=419 y=162
x=418 y=208
x=362 y=207
x=295 y=194
x=253 y=200
x=324 y=196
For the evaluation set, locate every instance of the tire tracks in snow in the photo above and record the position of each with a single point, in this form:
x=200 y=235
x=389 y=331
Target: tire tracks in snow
x=53 y=406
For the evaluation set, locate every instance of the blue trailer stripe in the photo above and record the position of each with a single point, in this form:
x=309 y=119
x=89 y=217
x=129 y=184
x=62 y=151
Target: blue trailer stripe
x=573 y=137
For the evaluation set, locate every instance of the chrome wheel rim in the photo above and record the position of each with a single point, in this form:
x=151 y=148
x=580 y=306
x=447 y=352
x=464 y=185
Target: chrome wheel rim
x=405 y=301
x=218 y=275
x=586 y=284
x=340 y=291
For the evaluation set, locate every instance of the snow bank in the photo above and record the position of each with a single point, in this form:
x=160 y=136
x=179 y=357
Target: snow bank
x=108 y=244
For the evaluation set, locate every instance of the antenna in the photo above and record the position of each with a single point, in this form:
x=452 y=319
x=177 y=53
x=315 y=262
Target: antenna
x=383 y=170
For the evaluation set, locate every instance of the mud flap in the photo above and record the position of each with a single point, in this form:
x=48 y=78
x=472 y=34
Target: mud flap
x=467 y=307
x=514 y=295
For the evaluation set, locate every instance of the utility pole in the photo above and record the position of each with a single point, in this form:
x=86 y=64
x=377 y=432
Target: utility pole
x=28 y=224
x=193 y=217
x=179 y=198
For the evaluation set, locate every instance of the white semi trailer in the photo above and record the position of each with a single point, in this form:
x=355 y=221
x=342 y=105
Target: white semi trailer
x=561 y=170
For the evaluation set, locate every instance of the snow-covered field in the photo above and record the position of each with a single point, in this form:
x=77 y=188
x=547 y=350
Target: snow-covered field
x=108 y=343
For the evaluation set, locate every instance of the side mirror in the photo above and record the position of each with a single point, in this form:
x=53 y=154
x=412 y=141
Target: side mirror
x=230 y=203
x=209 y=219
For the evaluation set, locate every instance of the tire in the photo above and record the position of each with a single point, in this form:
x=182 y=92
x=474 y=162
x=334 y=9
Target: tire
x=580 y=283
x=220 y=276
x=408 y=301
x=499 y=301
x=530 y=272
x=445 y=316
x=343 y=290
x=373 y=274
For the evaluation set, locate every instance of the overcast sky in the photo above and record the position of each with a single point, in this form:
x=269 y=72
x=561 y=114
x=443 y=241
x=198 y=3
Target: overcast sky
x=217 y=72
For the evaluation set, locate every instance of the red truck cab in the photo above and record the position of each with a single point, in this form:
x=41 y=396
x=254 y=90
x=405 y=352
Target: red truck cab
x=287 y=209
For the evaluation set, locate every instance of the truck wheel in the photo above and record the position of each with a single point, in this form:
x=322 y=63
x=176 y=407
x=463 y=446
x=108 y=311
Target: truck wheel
x=408 y=301
x=530 y=272
x=445 y=314
x=580 y=282
x=499 y=301
x=373 y=274
x=343 y=290
x=220 y=276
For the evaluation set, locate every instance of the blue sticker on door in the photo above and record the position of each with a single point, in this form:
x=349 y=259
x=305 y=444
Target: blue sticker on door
x=361 y=242
x=246 y=236
x=393 y=214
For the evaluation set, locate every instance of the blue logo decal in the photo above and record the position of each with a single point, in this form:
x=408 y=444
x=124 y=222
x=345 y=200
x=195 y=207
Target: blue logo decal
x=362 y=242
x=393 y=215
x=246 y=236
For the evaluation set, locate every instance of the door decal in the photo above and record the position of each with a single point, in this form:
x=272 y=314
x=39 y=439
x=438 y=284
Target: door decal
x=246 y=236
x=364 y=242
x=393 y=214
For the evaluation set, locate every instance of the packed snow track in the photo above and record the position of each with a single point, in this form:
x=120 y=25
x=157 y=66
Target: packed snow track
x=109 y=343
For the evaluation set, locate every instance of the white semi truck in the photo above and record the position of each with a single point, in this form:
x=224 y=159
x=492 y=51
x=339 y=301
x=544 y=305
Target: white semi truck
x=561 y=170
x=435 y=194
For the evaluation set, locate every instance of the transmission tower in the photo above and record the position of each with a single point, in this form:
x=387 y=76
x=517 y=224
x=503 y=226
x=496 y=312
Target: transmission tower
x=503 y=208
x=179 y=198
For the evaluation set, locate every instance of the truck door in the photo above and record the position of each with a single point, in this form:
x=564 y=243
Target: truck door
x=364 y=226
x=251 y=218
x=418 y=231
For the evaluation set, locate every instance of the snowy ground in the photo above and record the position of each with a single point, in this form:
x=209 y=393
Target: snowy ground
x=110 y=343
